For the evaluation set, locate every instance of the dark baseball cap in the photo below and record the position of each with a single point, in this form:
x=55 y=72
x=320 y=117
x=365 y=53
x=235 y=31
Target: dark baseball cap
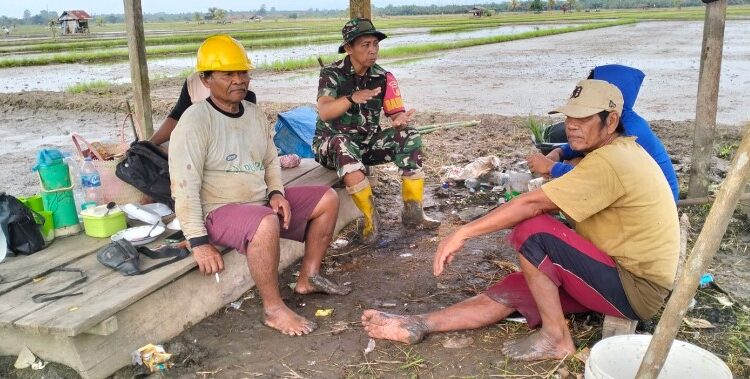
x=359 y=27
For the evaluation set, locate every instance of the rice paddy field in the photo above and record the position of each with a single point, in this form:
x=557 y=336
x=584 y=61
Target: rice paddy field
x=280 y=45
x=499 y=70
x=34 y=45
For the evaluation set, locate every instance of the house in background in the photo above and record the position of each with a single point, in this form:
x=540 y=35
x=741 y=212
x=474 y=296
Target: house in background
x=73 y=22
x=478 y=11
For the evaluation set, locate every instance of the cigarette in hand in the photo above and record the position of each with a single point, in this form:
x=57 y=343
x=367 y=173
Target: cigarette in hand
x=217 y=277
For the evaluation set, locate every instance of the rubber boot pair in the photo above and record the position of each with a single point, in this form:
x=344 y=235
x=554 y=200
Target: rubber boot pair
x=412 y=192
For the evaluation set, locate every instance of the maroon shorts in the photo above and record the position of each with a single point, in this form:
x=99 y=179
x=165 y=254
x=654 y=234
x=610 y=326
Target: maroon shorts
x=587 y=277
x=234 y=225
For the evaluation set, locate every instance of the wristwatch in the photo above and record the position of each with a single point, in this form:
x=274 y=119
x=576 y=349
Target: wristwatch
x=349 y=97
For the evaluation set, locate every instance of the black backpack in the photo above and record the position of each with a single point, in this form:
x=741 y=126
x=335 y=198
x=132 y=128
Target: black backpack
x=146 y=168
x=20 y=228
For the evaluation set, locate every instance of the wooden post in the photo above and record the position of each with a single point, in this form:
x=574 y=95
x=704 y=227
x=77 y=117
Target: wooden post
x=708 y=93
x=703 y=251
x=360 y=8
x=138 y=67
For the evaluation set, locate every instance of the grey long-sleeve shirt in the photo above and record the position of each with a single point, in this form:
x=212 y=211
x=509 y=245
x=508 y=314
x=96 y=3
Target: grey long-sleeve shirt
x=217 y=158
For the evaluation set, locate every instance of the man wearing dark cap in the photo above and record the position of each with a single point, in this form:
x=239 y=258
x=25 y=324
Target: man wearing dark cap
x=620 y=260
x=351 y=94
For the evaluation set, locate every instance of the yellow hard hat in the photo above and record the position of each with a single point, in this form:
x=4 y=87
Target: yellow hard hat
x=222 y=53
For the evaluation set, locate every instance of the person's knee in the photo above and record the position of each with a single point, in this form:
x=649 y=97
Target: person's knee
x=330 y=199
x=526 y=228
x=269 y=226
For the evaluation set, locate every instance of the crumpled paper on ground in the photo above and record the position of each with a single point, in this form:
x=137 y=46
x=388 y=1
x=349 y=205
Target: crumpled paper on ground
x=473 y=170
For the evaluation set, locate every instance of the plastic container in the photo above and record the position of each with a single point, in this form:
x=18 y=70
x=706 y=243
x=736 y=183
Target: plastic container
x=48 y=227
x=620 y=357
x=57 y=194
x=91 y=183
x=75 y=179
x=96 y=224
x=519 y=181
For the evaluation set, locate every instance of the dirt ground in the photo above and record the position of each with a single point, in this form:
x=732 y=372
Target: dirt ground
x=396 y=275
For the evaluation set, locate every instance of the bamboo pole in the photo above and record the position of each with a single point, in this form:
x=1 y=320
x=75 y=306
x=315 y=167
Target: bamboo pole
x=706 y=200
x=138 y=67
x=708 y=94
x=465 y=125
x=703 y=251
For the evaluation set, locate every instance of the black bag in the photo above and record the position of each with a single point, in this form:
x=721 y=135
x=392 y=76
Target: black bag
x=122 y=256
x=20 y=228
x=146 y=168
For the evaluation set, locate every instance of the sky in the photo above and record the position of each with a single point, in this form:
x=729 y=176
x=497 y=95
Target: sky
x=15 y=8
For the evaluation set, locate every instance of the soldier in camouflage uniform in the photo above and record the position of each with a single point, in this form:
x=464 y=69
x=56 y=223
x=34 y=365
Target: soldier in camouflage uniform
x=351 y=95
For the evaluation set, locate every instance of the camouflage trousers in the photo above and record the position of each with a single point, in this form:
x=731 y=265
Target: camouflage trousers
x=344 y=154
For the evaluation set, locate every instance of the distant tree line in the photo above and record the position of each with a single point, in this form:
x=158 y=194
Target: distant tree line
x=539 y=5
x=221 y=15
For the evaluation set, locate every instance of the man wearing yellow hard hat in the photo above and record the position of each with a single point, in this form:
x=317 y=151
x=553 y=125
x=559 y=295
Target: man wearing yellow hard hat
x=351 y=95
x=192 y=91
x=226 y=182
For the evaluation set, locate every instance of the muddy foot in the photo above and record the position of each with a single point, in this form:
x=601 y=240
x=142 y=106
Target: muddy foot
x=288 y=322
x=536 y=347
x=406 y=329
x=318 y=283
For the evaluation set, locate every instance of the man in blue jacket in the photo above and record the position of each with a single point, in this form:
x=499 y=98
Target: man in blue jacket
x=629 y=81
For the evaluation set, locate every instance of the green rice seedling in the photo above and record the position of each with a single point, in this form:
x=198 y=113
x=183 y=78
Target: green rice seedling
x=96 y=85
x=536 y=128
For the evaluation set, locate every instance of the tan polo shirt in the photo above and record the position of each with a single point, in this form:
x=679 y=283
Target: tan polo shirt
x=620 y=201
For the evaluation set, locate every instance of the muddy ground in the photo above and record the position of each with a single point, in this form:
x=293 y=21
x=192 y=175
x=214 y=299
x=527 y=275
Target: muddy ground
x=395 y=276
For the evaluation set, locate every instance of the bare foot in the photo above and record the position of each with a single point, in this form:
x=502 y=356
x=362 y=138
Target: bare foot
x=318 y=283
x=287 y=322
x=406 y=329
x=538 y=346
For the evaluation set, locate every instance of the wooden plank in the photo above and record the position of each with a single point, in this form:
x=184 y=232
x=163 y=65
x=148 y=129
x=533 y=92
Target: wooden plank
x=707 y=98
x=18 y=271
x=101 y=299
x=290 y=174
x=360 y=8
x=158 y=316
x=139 y=68
x=16 y=304
x=105 y=327
x=319 y=175
x=110 y=292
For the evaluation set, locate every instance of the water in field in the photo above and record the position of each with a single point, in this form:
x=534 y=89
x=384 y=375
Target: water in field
x=60 y=76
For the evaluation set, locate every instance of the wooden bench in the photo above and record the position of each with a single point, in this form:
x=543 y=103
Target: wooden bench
x=95 y=333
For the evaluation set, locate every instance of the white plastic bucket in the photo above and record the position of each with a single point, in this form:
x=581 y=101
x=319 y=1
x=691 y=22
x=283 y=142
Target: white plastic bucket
x=619 y=357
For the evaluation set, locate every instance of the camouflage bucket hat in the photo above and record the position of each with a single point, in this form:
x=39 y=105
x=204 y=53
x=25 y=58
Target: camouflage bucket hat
x=359 y=27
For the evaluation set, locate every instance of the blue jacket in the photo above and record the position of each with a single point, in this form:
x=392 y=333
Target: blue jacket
x=629 y=81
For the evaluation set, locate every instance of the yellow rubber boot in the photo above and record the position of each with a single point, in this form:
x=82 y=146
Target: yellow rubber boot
x=362 y=196
x=412 y=191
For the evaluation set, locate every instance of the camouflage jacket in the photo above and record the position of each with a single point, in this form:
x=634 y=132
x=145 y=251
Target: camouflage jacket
x=361 y=121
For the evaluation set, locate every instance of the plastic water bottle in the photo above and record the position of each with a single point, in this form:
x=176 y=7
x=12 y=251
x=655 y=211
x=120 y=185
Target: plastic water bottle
x=75 y=179
x=91 y=183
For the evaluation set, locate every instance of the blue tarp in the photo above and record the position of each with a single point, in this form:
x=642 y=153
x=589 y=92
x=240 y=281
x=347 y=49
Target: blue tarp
x=295 y=130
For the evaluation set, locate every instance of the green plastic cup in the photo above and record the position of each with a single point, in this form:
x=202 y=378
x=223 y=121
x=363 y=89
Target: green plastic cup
x=35 y=203
x=48 y=227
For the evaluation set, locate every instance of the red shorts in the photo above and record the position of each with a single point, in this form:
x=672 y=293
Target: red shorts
x=587 y=277
x=234 y=225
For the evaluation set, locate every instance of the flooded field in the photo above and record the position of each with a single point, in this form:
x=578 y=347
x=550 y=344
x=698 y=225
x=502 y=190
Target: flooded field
x=531 y=76
x=60 y=77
